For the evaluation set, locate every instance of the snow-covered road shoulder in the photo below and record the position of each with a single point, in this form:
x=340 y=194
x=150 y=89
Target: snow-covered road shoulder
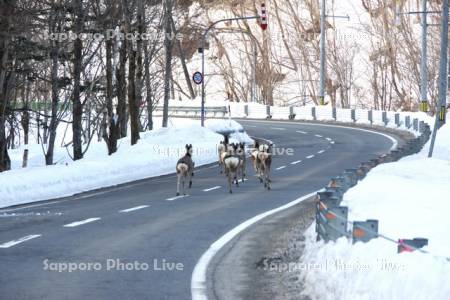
x=156 y=154
x=410 y=200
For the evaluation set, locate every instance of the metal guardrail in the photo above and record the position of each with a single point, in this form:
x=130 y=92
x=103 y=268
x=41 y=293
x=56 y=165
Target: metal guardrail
x=194 y=111
x=332 y=218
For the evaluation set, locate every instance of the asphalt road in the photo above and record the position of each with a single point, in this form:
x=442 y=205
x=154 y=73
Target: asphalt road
x=136 y=222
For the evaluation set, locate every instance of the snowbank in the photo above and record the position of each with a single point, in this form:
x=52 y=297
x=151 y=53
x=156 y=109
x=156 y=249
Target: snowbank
x=156 y=154
x=410 y=199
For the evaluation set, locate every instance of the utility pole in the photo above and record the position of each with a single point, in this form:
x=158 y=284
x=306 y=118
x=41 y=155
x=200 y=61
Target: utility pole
x=323 y=57
x=443 y=72
x=424 y=59
x=424 y=106
x=322 y=53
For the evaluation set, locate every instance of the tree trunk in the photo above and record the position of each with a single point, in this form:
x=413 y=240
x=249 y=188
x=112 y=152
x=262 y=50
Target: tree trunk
x=132 y=103
x=77 y=113
x=111 y=138
x=25 y=121
x=55 y=99
x=149 y=91
x=168 y=64
x=7 y=6
x=121 y=90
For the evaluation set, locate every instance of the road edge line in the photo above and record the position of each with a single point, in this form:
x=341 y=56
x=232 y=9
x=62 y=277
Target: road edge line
x=198 y=279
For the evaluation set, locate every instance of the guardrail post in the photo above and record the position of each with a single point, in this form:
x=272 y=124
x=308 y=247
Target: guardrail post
x=384 y=117
x=313 y=113
x=269 y=116
x=370 y=116
x=325 y=203
x=365 y=231
x=353 y=112
x=334 y=113
x=246 y=111
x=422 y=127
x=408 y=122
x=416 y=124
x=336 y=226
x=291 y=113
x=397 y=120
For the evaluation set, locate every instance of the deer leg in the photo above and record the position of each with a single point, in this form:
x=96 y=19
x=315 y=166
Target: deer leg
x=178 y=184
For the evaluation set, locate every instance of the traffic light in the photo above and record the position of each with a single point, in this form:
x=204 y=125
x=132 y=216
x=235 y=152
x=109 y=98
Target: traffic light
x=263 y=17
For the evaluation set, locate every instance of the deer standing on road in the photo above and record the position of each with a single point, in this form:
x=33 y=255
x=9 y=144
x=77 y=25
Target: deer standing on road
x=185 y=170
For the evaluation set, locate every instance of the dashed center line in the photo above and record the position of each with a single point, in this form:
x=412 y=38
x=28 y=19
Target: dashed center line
x=319 y=136
x=133 y=209
x=309 y=157
x=296 y=162
x=321 y=151
x=328 y=139
x=79 y=223
x=177 y=197
x=302 y=132
x=277 y=128
x=332 y=142
x=212 y=189
x=281 y=168
x=21 y=240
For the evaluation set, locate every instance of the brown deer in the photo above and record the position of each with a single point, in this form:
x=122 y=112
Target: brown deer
x=185 y=170
x=254 y=156
x=264 y=162
x=243 y=160
x=232 y=162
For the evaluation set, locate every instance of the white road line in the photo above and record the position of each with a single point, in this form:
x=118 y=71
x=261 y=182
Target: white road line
x=198 y=279
x=240 y=180
x=21 y=240
x=332 y=142
x=280 y=168
x=328 y=139
x=309 y=157
x=394 y=141
x=296 y=162
x=302 y=132
x=319 y=136
x=177 y=197
x=133 y=209
x=321 y=151
x=277 y=128
x=78 y=223
x=212 y=189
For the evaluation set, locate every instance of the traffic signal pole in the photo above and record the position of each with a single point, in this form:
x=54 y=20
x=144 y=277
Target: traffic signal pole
x=443 y=72
x=323 y=54
x=423 y=62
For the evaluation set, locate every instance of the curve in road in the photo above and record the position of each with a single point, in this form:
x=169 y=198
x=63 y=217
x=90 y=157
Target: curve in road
x=142 y=225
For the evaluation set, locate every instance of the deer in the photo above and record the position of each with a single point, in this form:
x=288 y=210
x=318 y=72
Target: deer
x=232 y=162
x=243 y=160
x=254 y=156
x=264 y=162
x=222 y=149
x=185 y=170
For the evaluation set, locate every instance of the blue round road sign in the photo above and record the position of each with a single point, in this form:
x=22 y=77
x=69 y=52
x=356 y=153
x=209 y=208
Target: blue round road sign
x=198 y=77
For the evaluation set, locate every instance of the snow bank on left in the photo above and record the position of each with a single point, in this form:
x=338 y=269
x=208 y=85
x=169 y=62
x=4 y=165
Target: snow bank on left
x=156 y=154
